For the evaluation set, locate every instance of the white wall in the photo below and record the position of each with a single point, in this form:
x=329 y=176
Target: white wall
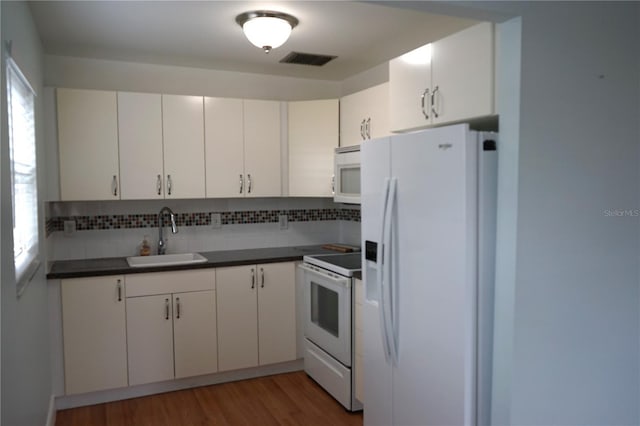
x=576 y=348
x=26 y=371
x=83 y=73
x=567 y=273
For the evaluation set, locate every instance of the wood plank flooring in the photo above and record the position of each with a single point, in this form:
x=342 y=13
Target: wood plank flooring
x=285 y=399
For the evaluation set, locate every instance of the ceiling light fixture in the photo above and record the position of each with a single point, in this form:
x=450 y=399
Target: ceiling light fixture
x=266 y=29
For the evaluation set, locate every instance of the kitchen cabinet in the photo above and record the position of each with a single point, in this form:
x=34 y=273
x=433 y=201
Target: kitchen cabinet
x=171 y=325
x=224 y=147
x=447 y=81
x=262 y=163
x=256 y=315
x=313 y=137
x=88 y=145
x=140 y=143
x=183 y=146
x=94 y=334
x=242 y=139
x=364 y=115
x=358 y=326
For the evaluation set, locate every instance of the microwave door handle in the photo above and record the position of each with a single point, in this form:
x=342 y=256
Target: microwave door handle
x=380 y=260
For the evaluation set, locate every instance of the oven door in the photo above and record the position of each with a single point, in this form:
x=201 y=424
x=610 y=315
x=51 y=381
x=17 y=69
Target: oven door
x=327 y=298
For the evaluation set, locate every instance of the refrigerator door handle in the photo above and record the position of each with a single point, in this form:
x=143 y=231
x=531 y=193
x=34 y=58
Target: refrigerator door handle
x=392 y=300
x=380 y=261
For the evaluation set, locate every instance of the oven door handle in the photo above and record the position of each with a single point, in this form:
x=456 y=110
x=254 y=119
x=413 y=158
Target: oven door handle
x=342 y=281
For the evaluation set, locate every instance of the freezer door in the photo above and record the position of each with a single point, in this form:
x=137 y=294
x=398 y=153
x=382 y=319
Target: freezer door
x=375 y=160
x=434 y=251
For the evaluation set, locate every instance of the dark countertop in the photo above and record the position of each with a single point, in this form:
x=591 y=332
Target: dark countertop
x=215 y=259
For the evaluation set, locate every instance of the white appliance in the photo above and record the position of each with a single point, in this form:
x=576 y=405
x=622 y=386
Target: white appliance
x=328 y=324
x=346 y=184
x=428 y=228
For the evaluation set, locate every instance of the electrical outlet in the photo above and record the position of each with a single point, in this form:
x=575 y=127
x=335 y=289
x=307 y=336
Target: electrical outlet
x=216 y=220
x=69 y=227
x=284 y=221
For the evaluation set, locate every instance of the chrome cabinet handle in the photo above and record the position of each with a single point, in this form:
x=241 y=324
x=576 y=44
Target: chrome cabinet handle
x=159 y=185
x=424 y=95
x=241 y=184
x=119 y=286
x=169 y=184
x=368 y=128
x=114 y=185
x=177 y=308
x=262 y=277
x=433 y=105
x=253 y=278
x=248 y=184
x=333 y=184
x=166 y=309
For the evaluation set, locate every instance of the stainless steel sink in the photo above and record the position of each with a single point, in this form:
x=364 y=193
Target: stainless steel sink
x=165 y=260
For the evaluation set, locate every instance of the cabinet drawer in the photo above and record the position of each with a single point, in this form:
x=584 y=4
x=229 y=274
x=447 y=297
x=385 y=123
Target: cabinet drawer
x=170 y=282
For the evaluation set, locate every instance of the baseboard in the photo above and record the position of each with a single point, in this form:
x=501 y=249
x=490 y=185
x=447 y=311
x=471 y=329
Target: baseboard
x=51 y=415
x=92 y=398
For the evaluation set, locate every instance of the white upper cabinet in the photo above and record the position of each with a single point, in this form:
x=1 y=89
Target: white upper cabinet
x=313 y=137
x=140 y=141
x=183 y=130
x=88 y=145
x=447 y=81
x=242 y=139
x=262 y=164
x=364 y=115
x=224 y=147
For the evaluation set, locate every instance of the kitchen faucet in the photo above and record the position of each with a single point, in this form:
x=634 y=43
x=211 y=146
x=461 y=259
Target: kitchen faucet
x=162 y=244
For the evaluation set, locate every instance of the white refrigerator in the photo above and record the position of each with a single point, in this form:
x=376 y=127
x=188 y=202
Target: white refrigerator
x=428 y=234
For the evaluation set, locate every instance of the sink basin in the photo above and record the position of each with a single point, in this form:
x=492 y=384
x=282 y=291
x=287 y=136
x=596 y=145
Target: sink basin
x=165 y=260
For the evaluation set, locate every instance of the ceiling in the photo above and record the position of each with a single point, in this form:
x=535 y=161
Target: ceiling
x=204 y=34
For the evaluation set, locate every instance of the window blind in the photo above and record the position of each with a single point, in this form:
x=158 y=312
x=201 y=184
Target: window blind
x=24 y=183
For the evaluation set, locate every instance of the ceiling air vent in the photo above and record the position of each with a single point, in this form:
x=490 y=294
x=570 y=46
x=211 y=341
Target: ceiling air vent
x=306 y=59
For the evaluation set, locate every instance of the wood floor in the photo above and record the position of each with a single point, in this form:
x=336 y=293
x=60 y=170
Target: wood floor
x=284 y=399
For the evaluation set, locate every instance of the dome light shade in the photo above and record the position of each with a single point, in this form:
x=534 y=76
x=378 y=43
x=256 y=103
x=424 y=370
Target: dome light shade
x=265 y=29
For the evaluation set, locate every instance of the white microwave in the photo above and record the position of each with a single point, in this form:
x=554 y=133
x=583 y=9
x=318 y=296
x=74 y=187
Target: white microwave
x=346 y=185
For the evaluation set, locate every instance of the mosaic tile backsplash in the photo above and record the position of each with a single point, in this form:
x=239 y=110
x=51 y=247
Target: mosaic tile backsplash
x=131 y=221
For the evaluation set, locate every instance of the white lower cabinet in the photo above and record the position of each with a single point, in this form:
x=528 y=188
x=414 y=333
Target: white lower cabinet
x=151 y=327
x=94 y=334
x=256 y=315
x=171 y=325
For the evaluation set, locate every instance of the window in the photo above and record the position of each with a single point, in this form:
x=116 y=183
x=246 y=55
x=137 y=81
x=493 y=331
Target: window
x=24 y=191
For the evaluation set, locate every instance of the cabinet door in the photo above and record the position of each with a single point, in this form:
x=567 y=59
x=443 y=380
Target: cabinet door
x=377 y=102
x=236 y=301
x=195 y=337
x=140 y=141
x=276 y=312
x=183 y=130
x=150 y=339
x=88 y=145
x=224 y=147
x=313 y=137
x=410 y=90
x=94 y=334
x=352 y=119
x=462 y=73
x=262 y=163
